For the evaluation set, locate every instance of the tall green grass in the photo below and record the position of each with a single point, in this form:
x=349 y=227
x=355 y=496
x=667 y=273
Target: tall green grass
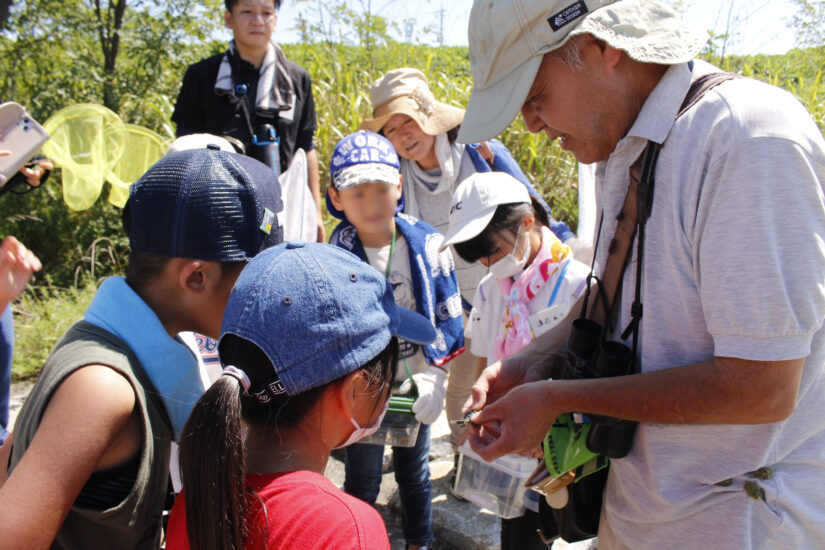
x=45 y=310
x=342 y=76
x=41 y=316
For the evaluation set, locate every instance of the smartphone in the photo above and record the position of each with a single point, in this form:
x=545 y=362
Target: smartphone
x=22 y=135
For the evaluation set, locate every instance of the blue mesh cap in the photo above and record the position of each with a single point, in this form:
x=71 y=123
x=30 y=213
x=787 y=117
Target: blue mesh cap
x=318 y=312
x=205 y=204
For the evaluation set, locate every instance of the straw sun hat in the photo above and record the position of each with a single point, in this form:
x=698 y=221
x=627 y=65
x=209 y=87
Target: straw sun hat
x=405 y=91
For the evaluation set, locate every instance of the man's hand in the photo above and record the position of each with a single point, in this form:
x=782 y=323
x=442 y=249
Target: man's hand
x=34 y=174
x=514 y=423
x=724 y=390
x=528 y=365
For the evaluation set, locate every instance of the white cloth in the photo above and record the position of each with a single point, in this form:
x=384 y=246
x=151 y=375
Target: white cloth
x=401 y=281
x=433 y=207
x=488 y=306
x=436 y=182
x=274 y=83
x=299 y=206
x=586 y=229
x=734 y=266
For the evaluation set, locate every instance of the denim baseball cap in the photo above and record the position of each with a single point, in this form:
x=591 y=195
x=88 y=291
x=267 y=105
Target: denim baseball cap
x=205 y=204
x=318 y=312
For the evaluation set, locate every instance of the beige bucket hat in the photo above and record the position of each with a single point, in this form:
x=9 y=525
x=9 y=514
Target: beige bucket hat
x=508 y=38
x=407 y=92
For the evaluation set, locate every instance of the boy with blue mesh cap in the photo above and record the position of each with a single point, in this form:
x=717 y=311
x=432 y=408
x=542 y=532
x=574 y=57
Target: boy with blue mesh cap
x=366 y=195
x=90 y=458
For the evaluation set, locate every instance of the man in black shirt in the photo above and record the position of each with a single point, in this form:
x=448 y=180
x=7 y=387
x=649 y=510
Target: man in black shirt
x=251 y=91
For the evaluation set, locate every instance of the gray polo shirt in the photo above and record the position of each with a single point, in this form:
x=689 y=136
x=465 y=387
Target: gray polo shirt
x=734 y=266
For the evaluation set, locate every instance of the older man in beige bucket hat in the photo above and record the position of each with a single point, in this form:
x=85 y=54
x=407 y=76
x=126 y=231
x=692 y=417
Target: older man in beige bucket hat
x=730 y=384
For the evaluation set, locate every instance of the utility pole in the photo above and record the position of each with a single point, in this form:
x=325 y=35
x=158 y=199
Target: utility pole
x=441 y=26
x=409 y=26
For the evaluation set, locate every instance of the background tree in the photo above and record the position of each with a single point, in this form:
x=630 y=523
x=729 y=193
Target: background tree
x=809 y=22
x=129 y=55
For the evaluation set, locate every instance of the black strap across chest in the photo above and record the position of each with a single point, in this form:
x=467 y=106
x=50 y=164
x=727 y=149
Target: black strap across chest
x=632 y=220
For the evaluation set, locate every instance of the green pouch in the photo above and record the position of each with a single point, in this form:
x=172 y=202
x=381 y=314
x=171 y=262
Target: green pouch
x=402 y=404
x=565 y=449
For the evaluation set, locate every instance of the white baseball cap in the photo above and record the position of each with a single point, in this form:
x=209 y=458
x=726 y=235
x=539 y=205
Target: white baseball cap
x=508 y=39
x=475 y=202
x=200 y=141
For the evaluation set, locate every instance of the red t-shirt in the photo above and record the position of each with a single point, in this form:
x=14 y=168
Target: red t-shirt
x=304 y=510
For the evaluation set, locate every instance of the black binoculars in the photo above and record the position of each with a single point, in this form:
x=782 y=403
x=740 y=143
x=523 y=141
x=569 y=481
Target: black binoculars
x=588 y=356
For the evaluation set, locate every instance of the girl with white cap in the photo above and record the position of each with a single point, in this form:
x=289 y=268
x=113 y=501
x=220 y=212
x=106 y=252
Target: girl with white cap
x=433 y=164
x=533 y=285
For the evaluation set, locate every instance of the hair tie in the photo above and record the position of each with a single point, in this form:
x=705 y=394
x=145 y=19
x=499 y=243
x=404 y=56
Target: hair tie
x=238 y=375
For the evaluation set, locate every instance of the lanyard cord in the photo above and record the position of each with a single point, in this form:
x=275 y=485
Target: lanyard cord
x=558 y=284
x=591 y=275
x=387 y=275
x=392 y=253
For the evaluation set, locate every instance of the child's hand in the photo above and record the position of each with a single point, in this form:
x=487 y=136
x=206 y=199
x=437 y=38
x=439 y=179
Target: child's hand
x=432 y=390
x=17 y=265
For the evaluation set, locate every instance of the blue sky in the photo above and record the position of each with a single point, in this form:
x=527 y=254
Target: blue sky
x=755 y=26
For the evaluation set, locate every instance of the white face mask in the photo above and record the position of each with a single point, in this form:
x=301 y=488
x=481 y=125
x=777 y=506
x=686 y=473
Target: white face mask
x=360 y=433
x=509 y=266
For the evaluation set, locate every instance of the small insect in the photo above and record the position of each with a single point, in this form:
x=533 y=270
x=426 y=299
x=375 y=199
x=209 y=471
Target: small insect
x=466 y=420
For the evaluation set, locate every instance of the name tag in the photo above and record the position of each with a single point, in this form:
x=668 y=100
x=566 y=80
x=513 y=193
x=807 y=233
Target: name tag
x=546 y=319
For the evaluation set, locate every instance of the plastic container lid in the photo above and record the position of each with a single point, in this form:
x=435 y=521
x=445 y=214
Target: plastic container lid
x=497 y=486
x=515 y=465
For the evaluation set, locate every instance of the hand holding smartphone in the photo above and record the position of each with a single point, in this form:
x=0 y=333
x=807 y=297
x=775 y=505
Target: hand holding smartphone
x=20 y=138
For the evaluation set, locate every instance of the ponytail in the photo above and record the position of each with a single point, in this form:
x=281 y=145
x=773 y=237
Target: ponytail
x=213 y=467
x=212 y=449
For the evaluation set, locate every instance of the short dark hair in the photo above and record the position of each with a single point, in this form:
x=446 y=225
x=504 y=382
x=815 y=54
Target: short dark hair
x=144 y=267
x=231 y=4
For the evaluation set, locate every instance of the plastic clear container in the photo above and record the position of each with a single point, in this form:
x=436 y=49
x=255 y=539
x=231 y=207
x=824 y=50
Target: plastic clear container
x=397 y=430
x=498 y=485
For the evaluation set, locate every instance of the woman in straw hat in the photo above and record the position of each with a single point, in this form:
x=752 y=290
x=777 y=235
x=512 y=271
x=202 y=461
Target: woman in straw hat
x=433 y=164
